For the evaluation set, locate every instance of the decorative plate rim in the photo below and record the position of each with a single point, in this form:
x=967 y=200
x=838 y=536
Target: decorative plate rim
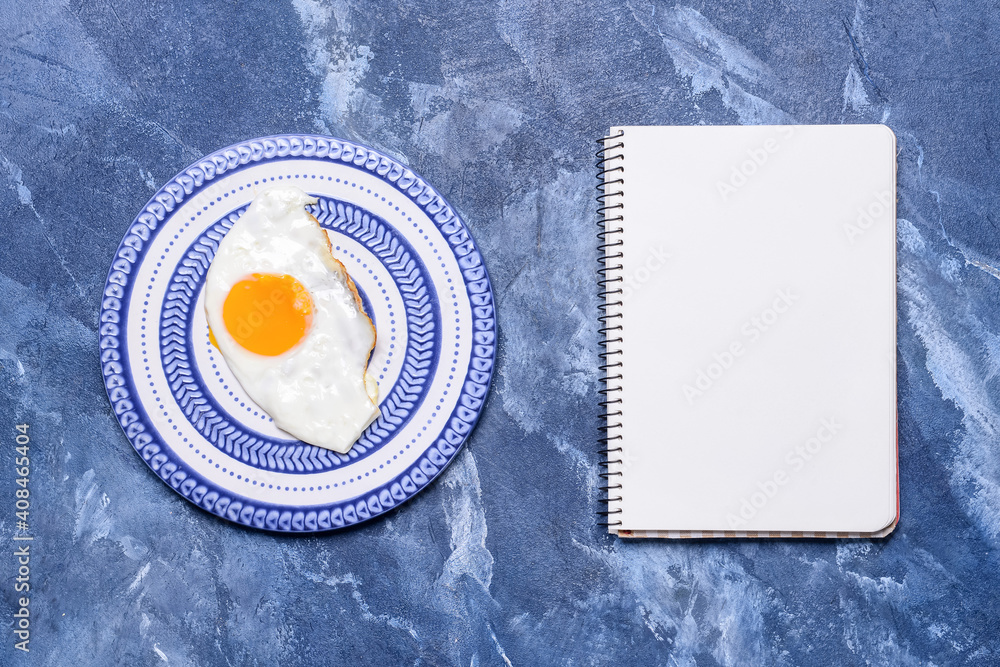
x=227 y=503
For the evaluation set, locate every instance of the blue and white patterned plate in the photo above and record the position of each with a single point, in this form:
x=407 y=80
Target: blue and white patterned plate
x=422 y=281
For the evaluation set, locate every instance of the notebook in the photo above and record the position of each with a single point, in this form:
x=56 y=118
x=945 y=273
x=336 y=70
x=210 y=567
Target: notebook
x=748 y=324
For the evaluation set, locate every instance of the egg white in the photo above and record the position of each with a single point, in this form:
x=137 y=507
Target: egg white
x=319 y=391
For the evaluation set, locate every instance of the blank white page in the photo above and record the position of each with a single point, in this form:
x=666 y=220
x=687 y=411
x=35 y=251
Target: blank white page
x=759 y=329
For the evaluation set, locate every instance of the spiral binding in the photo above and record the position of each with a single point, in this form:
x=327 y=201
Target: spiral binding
x=610 y=208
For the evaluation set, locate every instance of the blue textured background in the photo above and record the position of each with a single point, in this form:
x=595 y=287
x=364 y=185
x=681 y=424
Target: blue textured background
x=500 y=561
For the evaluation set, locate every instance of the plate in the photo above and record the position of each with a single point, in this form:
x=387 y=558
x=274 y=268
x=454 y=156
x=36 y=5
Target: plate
x=422 y=281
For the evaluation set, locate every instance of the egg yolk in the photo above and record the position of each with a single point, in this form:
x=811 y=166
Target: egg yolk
x=268 y=314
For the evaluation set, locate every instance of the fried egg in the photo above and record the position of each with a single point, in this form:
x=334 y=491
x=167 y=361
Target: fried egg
x=289 y=322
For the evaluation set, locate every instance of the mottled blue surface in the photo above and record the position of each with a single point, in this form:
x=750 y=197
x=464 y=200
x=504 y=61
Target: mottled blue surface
x=500 y=561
